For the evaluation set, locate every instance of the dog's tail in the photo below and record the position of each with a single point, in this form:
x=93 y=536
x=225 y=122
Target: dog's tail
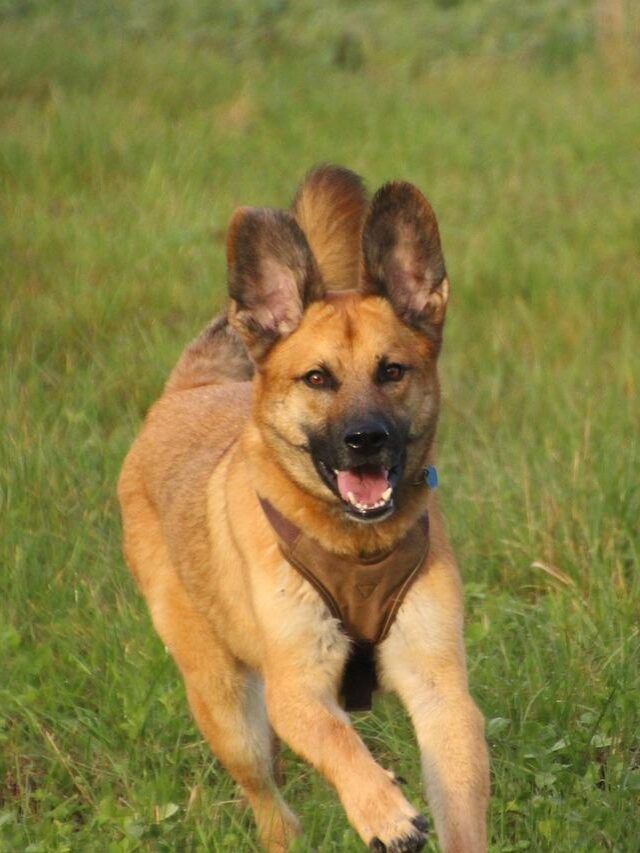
x=330 y=207
x=215 y=357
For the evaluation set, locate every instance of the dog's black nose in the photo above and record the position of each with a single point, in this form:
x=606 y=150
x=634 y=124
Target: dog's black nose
x=367 y=439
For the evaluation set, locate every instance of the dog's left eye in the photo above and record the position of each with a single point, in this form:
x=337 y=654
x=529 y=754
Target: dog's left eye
x=391 y=372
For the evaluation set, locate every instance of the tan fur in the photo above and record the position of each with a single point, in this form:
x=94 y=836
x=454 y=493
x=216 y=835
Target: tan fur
x=216 y=355
x=330 y=207
x=258 y=649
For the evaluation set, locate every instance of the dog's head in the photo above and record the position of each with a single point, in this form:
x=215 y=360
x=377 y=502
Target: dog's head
x=346 y=391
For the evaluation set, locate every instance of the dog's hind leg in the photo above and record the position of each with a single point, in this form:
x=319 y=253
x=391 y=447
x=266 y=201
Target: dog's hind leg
x=225 y=698
x=228 y=705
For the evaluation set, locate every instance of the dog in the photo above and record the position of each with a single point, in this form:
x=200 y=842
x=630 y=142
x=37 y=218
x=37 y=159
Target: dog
x=277 y=520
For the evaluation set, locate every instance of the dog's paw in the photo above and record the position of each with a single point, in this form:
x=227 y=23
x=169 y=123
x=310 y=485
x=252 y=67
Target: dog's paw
x=408 y=841
x=383 y=817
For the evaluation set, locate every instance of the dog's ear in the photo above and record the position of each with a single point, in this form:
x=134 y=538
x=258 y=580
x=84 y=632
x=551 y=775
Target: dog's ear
x=403 y=259
x=272 y=276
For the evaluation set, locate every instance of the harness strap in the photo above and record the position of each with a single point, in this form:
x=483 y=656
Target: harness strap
x=363 y=594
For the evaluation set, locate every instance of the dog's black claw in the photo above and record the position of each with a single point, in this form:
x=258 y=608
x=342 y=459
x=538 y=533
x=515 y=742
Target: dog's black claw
x=420 y=823
x=408 y=843
x=399 y=780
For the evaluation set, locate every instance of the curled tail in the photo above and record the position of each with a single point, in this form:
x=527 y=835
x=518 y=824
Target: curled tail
x=330 y=207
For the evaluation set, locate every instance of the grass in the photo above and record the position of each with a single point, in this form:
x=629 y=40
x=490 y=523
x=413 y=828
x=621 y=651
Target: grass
x=129 y=132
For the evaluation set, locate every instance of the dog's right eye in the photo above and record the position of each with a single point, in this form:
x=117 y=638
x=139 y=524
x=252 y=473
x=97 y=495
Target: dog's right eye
x=318 y=379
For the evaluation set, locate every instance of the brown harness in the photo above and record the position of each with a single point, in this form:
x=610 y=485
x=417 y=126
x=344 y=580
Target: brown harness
x=364 y=594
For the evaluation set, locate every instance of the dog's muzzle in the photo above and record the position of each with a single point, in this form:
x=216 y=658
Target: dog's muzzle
x=361 y=461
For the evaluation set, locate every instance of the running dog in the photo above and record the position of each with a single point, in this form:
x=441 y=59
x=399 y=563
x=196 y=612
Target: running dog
x=282 y=529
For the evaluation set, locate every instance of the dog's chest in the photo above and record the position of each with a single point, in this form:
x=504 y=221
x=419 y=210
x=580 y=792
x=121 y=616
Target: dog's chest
x=364 y=595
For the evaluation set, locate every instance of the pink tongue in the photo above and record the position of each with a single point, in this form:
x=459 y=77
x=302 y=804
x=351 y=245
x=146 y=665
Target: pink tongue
x=367 y=483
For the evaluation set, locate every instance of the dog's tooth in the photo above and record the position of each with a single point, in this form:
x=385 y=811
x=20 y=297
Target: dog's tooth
x=351 y=498
x=386 y=494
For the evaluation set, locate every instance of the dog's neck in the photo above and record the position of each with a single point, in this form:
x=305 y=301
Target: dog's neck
x=336 y=533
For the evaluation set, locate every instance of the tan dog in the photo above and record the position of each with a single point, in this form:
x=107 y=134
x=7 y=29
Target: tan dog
x=336 y=311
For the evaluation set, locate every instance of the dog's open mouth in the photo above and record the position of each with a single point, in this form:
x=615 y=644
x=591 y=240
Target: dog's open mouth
x=366 y=490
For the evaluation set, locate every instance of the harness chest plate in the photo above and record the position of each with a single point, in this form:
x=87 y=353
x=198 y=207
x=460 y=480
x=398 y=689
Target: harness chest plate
x=363 y=594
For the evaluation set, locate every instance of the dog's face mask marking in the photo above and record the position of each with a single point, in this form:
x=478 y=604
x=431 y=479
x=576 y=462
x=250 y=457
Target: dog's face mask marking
x=347 y=385
x=359 y=406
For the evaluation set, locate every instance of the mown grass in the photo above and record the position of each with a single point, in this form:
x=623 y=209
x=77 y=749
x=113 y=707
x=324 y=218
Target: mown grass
x=129 y=132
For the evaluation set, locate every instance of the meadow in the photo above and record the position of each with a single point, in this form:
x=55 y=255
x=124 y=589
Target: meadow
x=129 y=131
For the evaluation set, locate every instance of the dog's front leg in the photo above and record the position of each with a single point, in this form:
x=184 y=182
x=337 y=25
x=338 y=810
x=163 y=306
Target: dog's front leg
x=309 y=719
x=423 y=661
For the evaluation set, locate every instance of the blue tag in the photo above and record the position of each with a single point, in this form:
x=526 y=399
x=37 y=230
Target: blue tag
x=431 y=477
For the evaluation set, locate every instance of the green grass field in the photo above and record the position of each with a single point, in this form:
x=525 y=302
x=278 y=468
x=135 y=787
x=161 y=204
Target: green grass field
x=128 y=133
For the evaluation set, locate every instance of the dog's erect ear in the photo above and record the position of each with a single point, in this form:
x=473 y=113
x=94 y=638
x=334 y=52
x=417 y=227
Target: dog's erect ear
x=403 y=258
x=272 y=276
